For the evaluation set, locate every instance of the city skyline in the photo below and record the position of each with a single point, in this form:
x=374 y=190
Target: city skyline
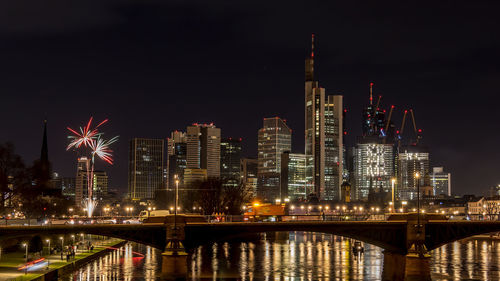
x=420 y=80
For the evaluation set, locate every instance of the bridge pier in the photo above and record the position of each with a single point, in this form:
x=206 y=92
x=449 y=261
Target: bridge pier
x=174 y=258
x=400 y=267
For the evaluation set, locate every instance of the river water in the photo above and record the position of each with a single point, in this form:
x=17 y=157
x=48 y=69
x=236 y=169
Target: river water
x=293 y=256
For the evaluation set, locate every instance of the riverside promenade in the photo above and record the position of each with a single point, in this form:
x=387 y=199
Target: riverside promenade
x=52 y=265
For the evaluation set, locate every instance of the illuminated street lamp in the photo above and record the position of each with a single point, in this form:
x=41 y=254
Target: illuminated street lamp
x=48 y=242
x=393 y=181
x=62 y=242
x=26 y=246
x=417 y=176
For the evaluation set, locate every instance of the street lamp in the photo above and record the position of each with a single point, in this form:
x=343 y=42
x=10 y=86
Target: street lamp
x=417 y=176
x=62 y=243
x=26 y=246
x=393 y=181
x=176 y=202
x=73 y=237
x=48 y=241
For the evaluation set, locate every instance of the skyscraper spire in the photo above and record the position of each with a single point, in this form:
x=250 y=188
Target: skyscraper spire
x=44 y=157
x=310 y=62
x=312 y=46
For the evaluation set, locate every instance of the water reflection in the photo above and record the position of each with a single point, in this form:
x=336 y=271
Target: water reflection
x=293 y=256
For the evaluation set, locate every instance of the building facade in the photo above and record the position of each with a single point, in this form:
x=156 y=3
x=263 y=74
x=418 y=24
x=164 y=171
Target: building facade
x=373 y=168
x=230 y=156
x=411 y=160
x=293 y=176
x=146 y=168
x=274 y=138
x=440 y=181
x=203 y=148
x=176 y=153
x=248 y=172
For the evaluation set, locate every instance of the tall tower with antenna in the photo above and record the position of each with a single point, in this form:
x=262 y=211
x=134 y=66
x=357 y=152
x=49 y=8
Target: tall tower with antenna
x=323 y=136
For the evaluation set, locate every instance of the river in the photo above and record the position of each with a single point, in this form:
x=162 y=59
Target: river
x=293 y=256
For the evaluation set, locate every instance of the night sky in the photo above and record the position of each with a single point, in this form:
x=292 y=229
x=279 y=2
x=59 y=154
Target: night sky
x=156 y=66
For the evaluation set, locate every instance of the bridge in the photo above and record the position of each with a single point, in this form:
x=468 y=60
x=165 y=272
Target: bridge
x=401 y=236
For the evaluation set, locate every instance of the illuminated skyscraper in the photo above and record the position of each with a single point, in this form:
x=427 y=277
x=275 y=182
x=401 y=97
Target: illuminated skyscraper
x=146 y=168
x=441 y=181
x=230 y=154
x=273 y=139
x=177 y=151
x=412 y=160
x=373 y=168
x=293 y=176
x=100 y=182
x=323 y=136
x=203 y=148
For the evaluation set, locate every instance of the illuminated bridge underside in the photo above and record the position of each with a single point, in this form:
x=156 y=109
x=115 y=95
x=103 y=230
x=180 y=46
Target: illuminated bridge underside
x=393 y=236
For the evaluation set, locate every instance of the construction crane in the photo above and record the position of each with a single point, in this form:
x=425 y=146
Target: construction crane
x=400 y=132
x=418 y=132
x=378 y=102
x=389 y=119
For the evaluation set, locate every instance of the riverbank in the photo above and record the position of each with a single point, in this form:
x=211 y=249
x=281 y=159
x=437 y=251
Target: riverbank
x=56 y=267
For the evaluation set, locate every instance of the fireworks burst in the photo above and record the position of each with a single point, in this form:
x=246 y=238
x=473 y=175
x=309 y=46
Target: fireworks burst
x=100 y=147
x=91 y=138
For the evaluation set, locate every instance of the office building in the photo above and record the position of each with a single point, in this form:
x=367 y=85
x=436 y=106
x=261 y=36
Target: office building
x=323 y=136
x=248 y=172
x=146 y=167
x=68 y=185
x=441 y=181
x=193 y=176
x=230 y=156
x=81 y=183
x=411 y=160
x=273 y=139
x=373 y=168
x=176 y=164
x=203 y=148
x=293 y=176
x=81 y=191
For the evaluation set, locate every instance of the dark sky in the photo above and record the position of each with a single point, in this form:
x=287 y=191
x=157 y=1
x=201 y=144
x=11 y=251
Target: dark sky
x=155 y=66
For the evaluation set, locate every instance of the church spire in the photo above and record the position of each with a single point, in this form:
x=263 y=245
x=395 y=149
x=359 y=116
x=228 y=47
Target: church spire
x=44 y=157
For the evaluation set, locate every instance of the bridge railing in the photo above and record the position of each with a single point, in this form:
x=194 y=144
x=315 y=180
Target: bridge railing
x=284 y=218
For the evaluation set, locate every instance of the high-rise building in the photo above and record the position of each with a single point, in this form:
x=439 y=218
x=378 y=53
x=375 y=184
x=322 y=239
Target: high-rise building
x=323 y=136
x=412 y=160
x=230 y=155
x=273 y=139
x=81 y=183
x=177 y=151
x=373 y=168
x=99 y=182
x=441 y=181
x=203 y=148
x=146 y=167
x=248 y=172
x=293 y=176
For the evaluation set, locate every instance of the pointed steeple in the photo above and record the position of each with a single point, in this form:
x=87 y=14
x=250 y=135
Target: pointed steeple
x=44 y=157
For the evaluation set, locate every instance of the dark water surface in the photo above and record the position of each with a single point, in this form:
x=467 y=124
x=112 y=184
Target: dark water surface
x=293 y=256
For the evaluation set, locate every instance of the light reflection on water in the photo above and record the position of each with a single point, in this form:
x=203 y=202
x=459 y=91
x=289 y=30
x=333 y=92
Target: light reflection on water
x=293 y=256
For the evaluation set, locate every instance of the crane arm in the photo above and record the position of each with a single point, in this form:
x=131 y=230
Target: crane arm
x=389 y=118
x=403 y=123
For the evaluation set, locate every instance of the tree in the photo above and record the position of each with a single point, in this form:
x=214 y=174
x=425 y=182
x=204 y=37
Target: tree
x=215 y=197
x=13 y=176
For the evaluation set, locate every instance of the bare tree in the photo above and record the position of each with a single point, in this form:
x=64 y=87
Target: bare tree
x=491 y=209
x=13 y=176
